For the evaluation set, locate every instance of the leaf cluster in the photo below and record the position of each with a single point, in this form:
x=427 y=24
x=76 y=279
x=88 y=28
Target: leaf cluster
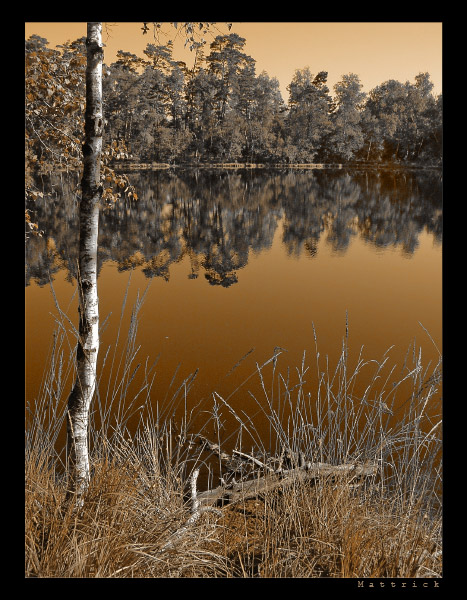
x=54 y=104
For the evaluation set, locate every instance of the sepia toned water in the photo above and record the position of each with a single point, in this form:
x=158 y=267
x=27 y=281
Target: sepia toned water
x=235 y=265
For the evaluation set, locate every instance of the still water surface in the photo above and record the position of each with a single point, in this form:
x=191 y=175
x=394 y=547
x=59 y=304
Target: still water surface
x=240 y=263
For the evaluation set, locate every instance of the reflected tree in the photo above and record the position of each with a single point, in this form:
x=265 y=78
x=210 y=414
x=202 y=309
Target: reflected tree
x=192 y=214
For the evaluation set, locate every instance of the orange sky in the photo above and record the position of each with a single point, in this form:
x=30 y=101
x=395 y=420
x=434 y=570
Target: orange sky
x=375 y=51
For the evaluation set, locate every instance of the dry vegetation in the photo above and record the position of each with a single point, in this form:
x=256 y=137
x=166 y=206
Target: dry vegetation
x=129 y=523
x=138 y=520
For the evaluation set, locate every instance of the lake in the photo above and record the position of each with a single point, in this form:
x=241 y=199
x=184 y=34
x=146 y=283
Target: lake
x=241 y=265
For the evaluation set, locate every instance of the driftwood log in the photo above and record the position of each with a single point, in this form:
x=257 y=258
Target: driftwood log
x=258 y=484
x=300 y=471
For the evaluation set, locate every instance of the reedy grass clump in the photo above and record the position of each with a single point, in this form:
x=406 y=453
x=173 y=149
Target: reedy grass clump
x=135 y=518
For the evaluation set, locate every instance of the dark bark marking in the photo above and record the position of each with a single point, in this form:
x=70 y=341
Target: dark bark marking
x=87 y=149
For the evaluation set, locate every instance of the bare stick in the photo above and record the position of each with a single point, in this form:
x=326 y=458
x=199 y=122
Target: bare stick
x=196 y=512
x=253 y=459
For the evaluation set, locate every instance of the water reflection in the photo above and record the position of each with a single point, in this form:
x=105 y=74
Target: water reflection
x=218 y=218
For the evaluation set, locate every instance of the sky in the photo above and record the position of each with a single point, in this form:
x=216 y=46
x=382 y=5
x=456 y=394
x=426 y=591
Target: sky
x=375 y=51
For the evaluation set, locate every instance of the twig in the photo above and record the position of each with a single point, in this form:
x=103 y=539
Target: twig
x=196 y=512
x=253 y=459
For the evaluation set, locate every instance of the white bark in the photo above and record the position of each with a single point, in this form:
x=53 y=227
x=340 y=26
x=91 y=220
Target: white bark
x=81 y=395
x=196 y=512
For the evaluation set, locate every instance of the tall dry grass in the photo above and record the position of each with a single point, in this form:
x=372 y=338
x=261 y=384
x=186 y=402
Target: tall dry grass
x=137 y=520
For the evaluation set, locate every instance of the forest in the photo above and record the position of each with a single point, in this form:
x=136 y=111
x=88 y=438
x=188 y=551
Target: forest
x=157 y=110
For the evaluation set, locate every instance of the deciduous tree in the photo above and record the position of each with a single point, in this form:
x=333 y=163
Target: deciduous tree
x=308 y=120
x=347 y=136
x=82 y=392
x=83 y=389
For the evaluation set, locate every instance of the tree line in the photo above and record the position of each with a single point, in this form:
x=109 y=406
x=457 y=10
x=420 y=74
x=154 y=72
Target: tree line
x=156 y=109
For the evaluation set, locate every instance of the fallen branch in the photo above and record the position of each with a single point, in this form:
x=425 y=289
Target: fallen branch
x=298 y=469
x=272 y=481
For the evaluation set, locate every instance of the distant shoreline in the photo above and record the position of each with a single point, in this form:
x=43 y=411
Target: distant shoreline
x=127 y=166
x=154 y=166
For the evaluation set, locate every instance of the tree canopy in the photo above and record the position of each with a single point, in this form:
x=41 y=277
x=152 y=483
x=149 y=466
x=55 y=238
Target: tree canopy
x=157 y=109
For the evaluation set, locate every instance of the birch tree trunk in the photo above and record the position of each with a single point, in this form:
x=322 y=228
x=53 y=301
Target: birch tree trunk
x=83 y=389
